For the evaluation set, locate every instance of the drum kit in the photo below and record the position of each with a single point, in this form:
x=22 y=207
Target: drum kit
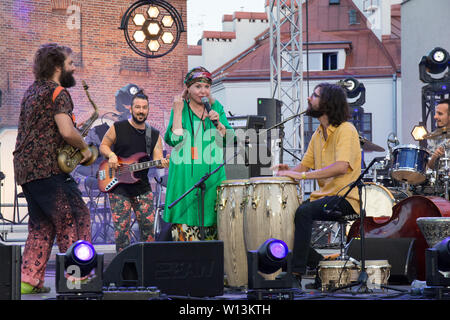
x=403 y=172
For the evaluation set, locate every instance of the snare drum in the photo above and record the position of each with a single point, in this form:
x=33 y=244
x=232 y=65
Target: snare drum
x=270 y=211
x=409 y=163
x=378 y=272
x=379 y=200
x=231 y=201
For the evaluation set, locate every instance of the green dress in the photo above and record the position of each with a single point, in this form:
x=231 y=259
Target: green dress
x=203 y=140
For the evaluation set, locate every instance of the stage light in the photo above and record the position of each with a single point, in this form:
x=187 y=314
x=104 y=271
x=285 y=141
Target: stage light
x=139 y=36
x=139 y=19
x=153 y=45
x=443 y=253
x=167 y=21
x=353 y=89
x=437 y=265
x=418 y=132
x=167 y=37
x=153 y=12
x=351 y=86
x=79 y=270
x=436 y=62
x=271 y=255
x=152 y=28
x=83 y=255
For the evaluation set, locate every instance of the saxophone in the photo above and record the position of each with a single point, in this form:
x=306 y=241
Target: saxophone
x=68 y=156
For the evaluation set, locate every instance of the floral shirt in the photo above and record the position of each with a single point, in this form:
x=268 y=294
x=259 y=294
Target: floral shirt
x=38 y=138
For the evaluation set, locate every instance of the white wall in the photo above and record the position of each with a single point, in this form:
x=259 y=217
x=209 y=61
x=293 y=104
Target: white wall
x=216 y=52
x=423 y=28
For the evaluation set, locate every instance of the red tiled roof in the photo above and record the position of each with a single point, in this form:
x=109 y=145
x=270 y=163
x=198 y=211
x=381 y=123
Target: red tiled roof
x=227 y=17
x=328 y=28
x=250 y=15
x=219 y=34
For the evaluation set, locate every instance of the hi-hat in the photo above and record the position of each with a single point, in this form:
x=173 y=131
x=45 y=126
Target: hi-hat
x=367 y=145
x=439 y=133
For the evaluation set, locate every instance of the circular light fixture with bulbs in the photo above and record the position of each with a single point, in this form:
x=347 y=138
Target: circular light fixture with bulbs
x=152 y=28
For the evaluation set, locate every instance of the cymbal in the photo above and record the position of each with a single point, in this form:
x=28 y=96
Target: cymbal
x=367 y=145
x=439 y=133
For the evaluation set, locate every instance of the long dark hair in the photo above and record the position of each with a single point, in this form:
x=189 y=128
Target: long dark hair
x=333 y=102
x=47 y=58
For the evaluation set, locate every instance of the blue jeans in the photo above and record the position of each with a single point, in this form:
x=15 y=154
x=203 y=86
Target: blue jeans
x=303 y=254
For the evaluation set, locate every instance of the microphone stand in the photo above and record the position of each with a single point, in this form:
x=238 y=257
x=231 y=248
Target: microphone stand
x=361 y=283
x=201 y=185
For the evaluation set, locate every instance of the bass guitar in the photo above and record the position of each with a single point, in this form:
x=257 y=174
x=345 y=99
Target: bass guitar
x=109 y=178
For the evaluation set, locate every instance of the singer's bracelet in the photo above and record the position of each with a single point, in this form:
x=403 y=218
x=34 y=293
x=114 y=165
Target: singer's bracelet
x=303 y=175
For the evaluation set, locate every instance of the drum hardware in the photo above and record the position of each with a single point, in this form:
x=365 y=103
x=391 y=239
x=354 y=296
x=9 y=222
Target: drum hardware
x=367 y=145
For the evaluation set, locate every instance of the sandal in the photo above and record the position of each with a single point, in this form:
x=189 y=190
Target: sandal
x=26 y=288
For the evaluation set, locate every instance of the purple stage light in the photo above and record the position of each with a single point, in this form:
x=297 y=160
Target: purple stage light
x=278 y=249
x=83 y=251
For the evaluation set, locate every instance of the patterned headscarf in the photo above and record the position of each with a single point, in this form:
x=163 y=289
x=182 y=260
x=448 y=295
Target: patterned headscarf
x=197 y=74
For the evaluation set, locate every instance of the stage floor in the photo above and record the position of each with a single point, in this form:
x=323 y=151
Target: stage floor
x=395 y=292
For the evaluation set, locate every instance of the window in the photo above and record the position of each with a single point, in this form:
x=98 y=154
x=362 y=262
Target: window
x=329 y=61
x=352 y=17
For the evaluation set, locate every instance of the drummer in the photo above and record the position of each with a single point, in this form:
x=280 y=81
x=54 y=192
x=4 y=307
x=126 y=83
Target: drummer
x=442 y=118
x=333 y=158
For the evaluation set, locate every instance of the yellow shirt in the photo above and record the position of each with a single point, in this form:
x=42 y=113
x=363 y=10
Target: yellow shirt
x=342 y=144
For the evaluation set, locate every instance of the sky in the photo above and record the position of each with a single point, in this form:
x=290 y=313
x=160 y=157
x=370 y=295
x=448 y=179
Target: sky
x=206 y=15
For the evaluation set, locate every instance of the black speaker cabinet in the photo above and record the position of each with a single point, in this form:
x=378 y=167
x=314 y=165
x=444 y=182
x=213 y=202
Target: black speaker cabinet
x=399 y=252
x=192 y=268
x=10 y=261
x=271 y=109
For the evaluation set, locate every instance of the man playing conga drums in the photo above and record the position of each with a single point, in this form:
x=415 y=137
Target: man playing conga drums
x=333 y=158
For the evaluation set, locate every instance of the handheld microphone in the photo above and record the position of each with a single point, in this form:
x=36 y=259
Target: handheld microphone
x=205 y=102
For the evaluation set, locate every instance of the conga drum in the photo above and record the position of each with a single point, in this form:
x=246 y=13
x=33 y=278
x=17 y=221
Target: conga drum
x=270 y=210
x=231 y=201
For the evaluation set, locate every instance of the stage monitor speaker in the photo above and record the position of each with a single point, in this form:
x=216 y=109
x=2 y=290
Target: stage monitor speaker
x=399 y=252
x=193 y=268
x=10 y=261
x=270 y=109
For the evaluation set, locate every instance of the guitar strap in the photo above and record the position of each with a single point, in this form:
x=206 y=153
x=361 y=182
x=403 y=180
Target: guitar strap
x=149 y=142
x=56 y=92
x=55 y=95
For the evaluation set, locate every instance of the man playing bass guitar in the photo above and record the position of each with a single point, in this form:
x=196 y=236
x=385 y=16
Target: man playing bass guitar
x=128 y=138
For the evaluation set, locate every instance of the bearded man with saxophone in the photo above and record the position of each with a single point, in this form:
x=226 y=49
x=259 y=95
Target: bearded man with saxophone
x=55 y=206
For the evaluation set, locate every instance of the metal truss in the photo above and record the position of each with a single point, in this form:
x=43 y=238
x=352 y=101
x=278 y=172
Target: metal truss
x=286 y=58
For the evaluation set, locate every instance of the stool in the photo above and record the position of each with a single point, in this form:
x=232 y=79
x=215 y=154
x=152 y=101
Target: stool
x=343 y=221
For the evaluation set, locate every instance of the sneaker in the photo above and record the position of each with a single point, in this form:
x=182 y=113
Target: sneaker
x=26 y=288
